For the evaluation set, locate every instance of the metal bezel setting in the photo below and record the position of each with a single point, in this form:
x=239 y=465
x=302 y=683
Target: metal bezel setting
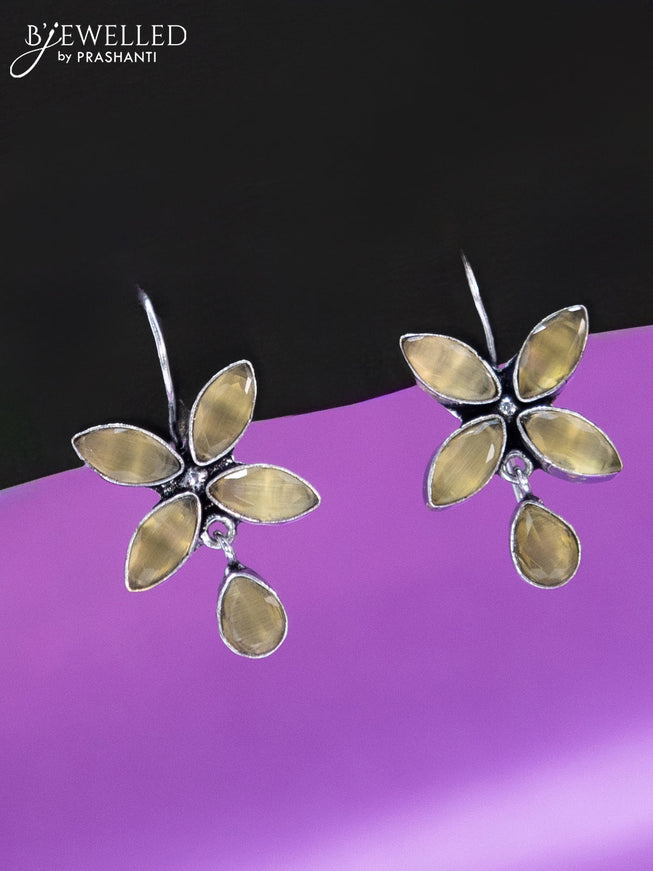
x=198 y=524
x=228 y=510
x=237 y=569
x=442 y=397
x=455 y=434
x=520 y=507
x=196 y=404
x=546 y=463
x=140 y=429
x=558 y=387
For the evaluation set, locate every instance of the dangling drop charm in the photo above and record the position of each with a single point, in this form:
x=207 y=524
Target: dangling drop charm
x=251 y=618
x=545 y=548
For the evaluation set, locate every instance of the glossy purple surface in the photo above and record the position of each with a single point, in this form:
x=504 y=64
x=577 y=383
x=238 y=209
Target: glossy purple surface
x=429 y=709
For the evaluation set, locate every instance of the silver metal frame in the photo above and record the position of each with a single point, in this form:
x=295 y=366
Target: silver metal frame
x=193 y=413
x=441 y=397
x=455 y=434
x=546 y=463
x=193 y=547
x=533 y=500
x=230 y=573
x=535 y=329
x=140 y=429
x=244 y=517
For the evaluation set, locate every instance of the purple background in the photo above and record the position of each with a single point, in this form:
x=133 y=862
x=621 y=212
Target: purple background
x=428 y=709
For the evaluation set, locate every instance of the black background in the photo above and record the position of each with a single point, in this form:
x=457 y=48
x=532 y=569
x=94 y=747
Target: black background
x=293 y=185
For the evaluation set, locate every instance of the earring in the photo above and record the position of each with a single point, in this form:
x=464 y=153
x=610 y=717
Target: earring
x=509 y=428
x=204 y=494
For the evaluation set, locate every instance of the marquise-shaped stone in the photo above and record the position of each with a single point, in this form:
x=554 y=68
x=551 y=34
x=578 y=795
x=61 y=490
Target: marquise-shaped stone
x=126 y=454
x=551 y=353
x=566 y=442
x=263 y=494
x=466 y=461
x=222 y=412
x=163 y=541
x=545 y=549
x=450 y=369
x=251 y=618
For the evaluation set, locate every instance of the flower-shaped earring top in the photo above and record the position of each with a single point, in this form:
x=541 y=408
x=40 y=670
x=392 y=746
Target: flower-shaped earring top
x=509 y=428
x=204 y=494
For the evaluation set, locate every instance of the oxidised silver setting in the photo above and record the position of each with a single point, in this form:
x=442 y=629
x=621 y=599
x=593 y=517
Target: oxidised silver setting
x=195 y=475
x=510 y=406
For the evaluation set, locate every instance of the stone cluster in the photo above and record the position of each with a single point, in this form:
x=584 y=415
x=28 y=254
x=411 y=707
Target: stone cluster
x=545 y=548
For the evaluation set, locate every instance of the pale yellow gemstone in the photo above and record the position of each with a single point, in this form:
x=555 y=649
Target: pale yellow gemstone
x=127 y=455
x=551 y=352
x=263 y=494
x=545 y=547
x=163 y=541
x=222 y=411
x=252 y=619
x=450 y=368
x=570 y=443
x=467 y=461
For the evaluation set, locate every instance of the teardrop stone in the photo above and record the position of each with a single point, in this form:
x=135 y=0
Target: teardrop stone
x=127 y=455
x=466 y=461
x=263 y=494
x=570 y=443
x=545 y=548
x=252 y=619
x=222 y=411
x=551 y=352
x=450 y=368
x=162 y=541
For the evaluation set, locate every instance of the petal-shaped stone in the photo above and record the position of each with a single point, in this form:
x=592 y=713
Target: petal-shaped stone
x=466 y=461
x=222 y=412
x=126 y=454
x=545 y=549
x=551 y=353
x=163 y=541
x=450 y=369
x=252 y=620
x=263 y=494
x=566 y=442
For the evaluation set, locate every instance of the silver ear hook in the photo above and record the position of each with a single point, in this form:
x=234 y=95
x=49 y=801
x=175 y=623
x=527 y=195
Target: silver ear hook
x=155 y=326
x=480 y=308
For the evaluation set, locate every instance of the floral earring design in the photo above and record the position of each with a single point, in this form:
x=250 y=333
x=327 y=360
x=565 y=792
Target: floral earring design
x=205 y=493
x=509 y=428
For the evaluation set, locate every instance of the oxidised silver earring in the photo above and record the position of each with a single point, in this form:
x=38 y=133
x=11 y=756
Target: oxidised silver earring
x=205 y=493
x=509 y=428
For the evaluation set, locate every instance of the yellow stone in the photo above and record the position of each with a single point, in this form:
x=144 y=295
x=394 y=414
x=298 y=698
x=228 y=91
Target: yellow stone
x=569 y=443
x=545 y=548
x=263 y=494
x=251 y=617
x=162 y=541
x=551 y=353
x=222 y=412
x=466 y=461
x=450 y=369
x=127 y=455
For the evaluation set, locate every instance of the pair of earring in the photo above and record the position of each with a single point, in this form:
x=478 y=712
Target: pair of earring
x=205 y=493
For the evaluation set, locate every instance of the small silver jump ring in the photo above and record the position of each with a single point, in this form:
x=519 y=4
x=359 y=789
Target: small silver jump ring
x=219 y=539
x=510 y=472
